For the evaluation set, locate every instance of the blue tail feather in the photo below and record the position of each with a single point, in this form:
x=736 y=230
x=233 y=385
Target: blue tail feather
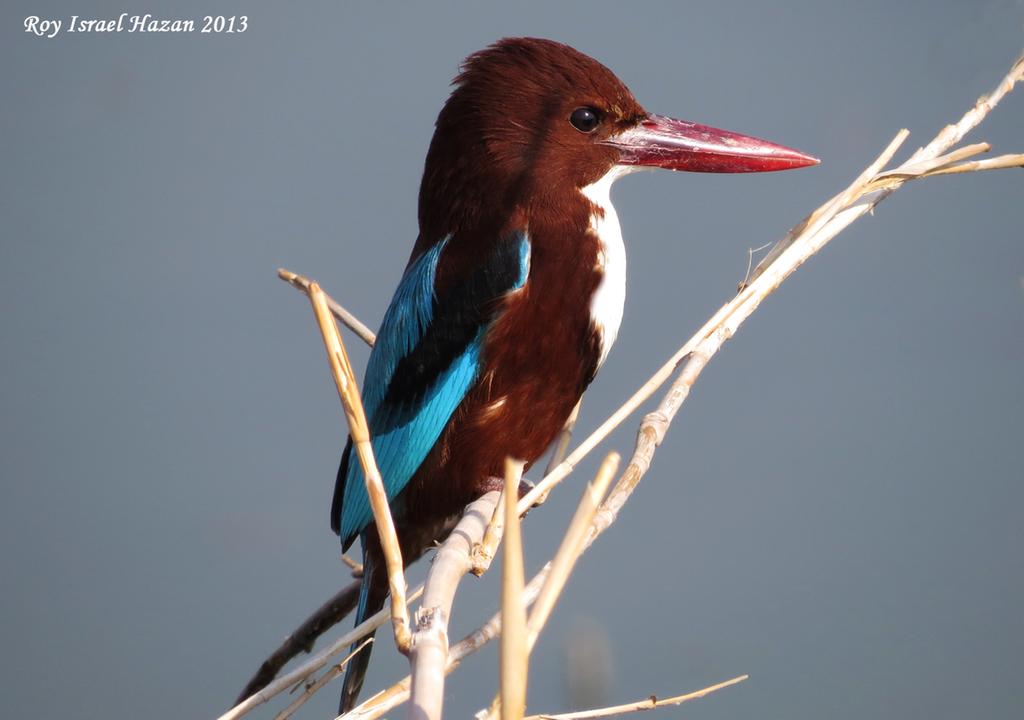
x=372 y=595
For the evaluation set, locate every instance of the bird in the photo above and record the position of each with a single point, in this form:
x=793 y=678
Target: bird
x=513 y=293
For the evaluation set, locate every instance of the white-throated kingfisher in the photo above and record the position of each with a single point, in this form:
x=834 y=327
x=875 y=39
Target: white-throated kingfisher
x=514 y=291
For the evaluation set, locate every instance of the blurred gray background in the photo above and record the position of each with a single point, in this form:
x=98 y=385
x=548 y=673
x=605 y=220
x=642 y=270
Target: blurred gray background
x=837 y=511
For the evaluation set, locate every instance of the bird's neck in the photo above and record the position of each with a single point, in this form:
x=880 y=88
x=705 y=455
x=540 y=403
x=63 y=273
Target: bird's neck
x=578 y=261
x=608 y=300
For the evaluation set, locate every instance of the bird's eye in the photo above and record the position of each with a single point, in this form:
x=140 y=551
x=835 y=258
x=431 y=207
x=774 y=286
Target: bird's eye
x=585 y=119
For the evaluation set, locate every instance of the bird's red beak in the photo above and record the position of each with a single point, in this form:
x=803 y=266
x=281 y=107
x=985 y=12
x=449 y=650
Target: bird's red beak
x=679 y=145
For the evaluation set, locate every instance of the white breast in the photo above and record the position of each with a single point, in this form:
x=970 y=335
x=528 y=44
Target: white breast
x=610 y=297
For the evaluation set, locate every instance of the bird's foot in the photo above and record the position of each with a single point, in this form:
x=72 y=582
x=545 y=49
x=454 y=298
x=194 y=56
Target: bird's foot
x=497 y=484
x=483 y=552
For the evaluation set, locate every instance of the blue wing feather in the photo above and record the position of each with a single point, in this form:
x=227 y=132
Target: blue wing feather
x=404 y=324
x=426 y=359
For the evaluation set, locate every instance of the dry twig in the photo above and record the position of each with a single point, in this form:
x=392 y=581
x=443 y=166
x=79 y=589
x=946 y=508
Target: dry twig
x=429 y=649
x=398 y=693
x=331 y=673
x=512 y=607
x=514 y=653
x=320 y=660
x=302 y=639
x=344 y=601
x=359 y=429
x=947 y=138
x=563 y=440
x=645 y=704
x=572 y=546
x=351 y=321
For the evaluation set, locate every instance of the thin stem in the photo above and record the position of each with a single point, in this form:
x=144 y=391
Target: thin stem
x=646 y=704
x=331 y=673
x=560 y=568
x=321 y=659
x=514 y=656
x=348 y=391
x=303 y=637
x=572 y=546
x=429 y=651
x=564 y=438
x=350 y=321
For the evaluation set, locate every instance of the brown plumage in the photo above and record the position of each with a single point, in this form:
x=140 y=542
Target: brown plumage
x=529 y=273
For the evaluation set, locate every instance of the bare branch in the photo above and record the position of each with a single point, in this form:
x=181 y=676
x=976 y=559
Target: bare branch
x=947 y=138
x=564 y=438
x=359 y=429
x=561 y=566
x=645 y=704
x=1002 y=162
x=306 y=669
x=331 y=673
x=351 y=321
x=572 y=546
x=398 y=693
x=514 y=655
x=343 y=602
x=303 y=637
x=429 y=649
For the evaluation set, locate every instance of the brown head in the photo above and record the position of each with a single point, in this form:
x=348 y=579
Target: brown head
x=530 y=118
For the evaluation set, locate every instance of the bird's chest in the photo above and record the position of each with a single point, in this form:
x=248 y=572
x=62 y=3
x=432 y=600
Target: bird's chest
x=571 y=305
x=609 y=297
x=550 y=338
x=559 y=327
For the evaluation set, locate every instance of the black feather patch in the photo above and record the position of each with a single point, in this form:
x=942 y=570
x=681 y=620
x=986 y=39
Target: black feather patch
x=456 y=321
